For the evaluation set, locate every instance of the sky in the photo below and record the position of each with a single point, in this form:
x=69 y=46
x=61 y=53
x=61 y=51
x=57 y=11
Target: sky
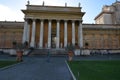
x=10 y=10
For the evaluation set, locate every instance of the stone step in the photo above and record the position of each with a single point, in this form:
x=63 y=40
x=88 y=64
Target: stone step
x=51 y=51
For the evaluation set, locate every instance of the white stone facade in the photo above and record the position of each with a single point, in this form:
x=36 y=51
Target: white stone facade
x=109 y=14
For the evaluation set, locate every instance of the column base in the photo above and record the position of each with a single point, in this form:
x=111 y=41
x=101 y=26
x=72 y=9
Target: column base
x=32 y=45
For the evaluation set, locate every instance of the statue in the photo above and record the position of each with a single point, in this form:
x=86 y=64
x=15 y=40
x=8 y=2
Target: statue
x=43 y=3
x=28 y=2
x=79 y=4
x=65 y=4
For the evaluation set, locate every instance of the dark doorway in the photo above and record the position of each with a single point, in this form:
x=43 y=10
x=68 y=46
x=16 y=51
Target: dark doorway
x=53 y=38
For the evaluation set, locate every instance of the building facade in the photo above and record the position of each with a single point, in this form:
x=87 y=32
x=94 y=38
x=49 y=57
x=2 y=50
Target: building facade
x=109 y=14
x=59 y=26
x=52 y=26
x=10 y=32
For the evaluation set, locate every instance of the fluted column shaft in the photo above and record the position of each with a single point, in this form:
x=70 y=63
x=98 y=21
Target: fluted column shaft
x=49 y=34
x=25 y=31
x=32 y=44
x=58 y=34
x=41 y=34
x=65 y=33
x=73 y=32
x=80 y=34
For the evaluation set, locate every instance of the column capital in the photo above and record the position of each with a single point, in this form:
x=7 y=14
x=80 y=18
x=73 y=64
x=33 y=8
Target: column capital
x=65 y=20
x=25 y=19
x=58 y=20
x=42 y=19
x=49 y=19
x=73 y=20
x=33 y=19
x=80 y=21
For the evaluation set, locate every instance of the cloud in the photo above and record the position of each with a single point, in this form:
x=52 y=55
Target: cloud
x=10 y=14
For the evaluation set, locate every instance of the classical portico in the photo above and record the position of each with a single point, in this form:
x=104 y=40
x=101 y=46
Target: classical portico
x=52 y=26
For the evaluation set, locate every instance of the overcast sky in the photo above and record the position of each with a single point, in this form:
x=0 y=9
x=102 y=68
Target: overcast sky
x=10 y=10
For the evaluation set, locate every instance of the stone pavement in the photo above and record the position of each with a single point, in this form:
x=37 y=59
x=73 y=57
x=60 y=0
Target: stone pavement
x=37 y=68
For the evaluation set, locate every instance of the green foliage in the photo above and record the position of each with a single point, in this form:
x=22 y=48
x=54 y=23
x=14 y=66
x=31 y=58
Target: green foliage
x=96 y=70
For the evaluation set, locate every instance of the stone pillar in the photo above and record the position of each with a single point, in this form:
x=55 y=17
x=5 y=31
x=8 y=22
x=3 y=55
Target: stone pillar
x=32 y=43
x=41 y=34
x=58 y=34
x=65 y=33
x=25 y=31
x=49 y=34
x=73 y=32
x=28 y=33
x=80 y=35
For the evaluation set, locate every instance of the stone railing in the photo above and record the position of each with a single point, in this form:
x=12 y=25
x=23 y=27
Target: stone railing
x=96 y=51
x=11 y=51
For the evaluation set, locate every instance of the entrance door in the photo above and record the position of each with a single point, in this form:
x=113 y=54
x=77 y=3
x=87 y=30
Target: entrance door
x=53 y=41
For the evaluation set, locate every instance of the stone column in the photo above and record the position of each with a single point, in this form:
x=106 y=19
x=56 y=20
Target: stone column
x=58 y=34
x=41 y=34
x=49 y=34
x=32 y=44
x=25 y=31
x=65 y=33
x=73 y=32
x=28 y=33
x=80 y=35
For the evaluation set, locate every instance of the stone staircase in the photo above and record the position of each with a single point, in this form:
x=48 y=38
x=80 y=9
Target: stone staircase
x=51 y=51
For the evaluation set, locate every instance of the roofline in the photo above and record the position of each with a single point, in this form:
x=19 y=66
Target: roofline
x=55 y=6
x=41 y=8
x=12 y=21
x=101 y=14
x=102 y=24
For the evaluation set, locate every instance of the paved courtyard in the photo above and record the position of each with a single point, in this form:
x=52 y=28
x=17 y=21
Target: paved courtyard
x=38 y=68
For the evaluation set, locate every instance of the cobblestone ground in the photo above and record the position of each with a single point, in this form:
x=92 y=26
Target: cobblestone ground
x=37 y=68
